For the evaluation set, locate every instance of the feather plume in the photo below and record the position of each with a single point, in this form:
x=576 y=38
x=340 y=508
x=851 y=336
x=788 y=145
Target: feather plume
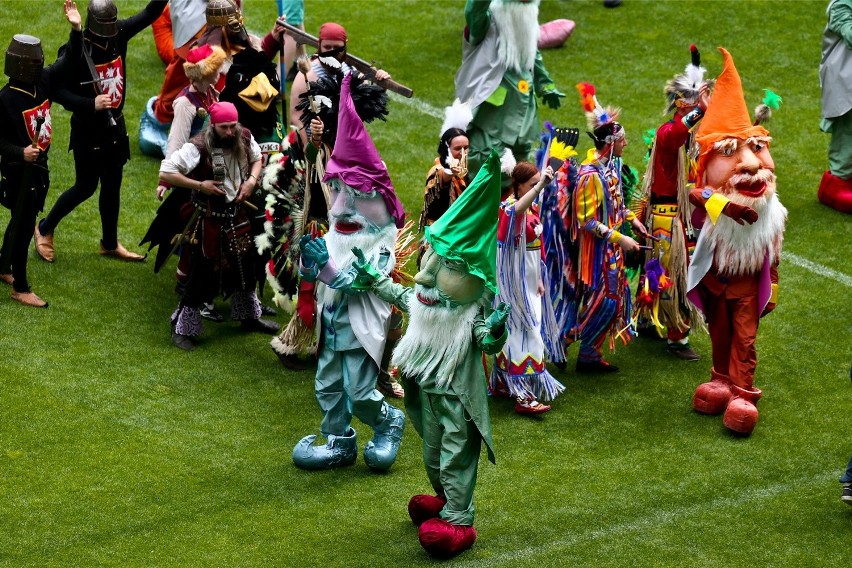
x=458 y=115
x=507 y=162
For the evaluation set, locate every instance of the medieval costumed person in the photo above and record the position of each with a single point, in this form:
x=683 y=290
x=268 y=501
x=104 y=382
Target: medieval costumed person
x=451 y=324
x=365 y=213
x=220 y=165
x=520 y=369
x=95 y=96
x=501 y=73
x=667 y=211
x=25 y=135
x=733 y=275
x=315 y=96
x=448 y=177
x=835 y=78
x=596 y=216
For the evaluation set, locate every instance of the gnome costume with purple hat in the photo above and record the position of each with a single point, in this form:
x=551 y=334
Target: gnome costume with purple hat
x=365 y=213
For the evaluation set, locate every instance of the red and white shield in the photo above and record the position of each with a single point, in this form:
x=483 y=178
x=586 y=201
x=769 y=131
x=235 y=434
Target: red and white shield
x=112 y=80
x=31 y=117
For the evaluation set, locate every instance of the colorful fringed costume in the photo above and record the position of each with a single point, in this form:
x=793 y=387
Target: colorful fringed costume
x=520 y=368
x=666 y=210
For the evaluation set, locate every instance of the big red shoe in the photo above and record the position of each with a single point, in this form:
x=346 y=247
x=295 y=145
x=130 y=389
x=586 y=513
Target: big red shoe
x=444 y=540
x=421 y=508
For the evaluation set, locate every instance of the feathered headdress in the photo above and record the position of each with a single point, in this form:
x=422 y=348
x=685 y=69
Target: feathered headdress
x=458 y=115
x=684 y=88
x=371 y=102
x=601 y=121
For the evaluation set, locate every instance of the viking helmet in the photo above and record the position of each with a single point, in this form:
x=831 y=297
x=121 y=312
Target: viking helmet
x=102 y=18
x=24 y=59
x=225 y=14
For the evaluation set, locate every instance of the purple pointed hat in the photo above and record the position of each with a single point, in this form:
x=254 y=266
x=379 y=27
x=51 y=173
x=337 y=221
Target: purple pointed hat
x=355 y=160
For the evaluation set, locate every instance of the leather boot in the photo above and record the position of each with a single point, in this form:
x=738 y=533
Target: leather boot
x=338 y=451
x=712 y=397
x=741 y=414
x=380 y=452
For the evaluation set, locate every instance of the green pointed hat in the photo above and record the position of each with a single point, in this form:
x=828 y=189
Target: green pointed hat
x=467 y=232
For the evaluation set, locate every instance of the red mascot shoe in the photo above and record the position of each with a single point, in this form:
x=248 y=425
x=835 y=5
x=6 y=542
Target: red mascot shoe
x=835 y=192
x=443 y=540
x=712 y=397
x=741 y=414
x=421 y=508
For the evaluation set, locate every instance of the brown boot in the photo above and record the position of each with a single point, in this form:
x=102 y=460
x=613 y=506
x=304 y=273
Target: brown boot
x=29 y=299
x=44 y=245
x=7 y=279
x=121 y=253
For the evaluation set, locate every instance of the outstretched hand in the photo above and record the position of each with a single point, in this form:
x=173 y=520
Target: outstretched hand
x=552 y=98
x=498 y=317
x=314 y=252
x=367 y=273
x=740 y=213
x=72 y=15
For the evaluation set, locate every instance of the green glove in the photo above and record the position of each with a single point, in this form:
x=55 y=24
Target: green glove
x=552 y=97
x=498 y=317
x=367 y=273
x=314 y=252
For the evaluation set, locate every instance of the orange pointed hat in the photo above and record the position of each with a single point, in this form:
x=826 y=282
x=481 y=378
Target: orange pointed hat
x=727 y=115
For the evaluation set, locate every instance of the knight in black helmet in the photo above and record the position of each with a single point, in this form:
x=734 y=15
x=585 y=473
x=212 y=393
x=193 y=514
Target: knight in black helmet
x=25 y=134
x=95 y=95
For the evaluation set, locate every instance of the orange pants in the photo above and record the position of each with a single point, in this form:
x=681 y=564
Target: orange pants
x=732 y=313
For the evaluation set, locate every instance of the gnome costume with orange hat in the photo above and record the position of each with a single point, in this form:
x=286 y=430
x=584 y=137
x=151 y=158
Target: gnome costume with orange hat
x=365 y=213
x=733 y=275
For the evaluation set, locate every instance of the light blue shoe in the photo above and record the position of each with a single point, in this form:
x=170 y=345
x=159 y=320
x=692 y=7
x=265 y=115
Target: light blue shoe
x=338 y=451
x=380 y=452
x=153 y=134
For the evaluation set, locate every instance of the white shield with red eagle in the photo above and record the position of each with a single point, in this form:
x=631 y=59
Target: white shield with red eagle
x=112 y=80
x=31 y=116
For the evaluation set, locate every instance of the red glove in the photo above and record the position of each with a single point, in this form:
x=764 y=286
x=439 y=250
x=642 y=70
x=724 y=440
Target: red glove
x=740 y=213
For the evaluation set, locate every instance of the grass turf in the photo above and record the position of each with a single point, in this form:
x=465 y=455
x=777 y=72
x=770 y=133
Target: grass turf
x=118 y=449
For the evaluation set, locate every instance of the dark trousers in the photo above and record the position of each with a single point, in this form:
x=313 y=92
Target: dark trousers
x=91 y=168
x=13 y=254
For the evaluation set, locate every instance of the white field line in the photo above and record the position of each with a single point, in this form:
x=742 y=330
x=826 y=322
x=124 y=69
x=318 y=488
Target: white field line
x=435 y=112
x=655 y=520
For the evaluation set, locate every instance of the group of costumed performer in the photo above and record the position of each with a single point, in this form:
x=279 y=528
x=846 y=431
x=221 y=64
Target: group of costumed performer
x=451 y=324
x=365 y=213
x=733 y=275
x=520 y=369
x=501 y=73
x=667 y=213
x=595 y=216
x=835 y=78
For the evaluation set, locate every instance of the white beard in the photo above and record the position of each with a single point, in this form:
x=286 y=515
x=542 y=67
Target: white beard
x=436 y=342
x=741 y=249
x=517 y=33
x=340 y=251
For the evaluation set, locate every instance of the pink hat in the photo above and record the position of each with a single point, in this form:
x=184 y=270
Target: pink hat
x=223 y=112
x=355 y=160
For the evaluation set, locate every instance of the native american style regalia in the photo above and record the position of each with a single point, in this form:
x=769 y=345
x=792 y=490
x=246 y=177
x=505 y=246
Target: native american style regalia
x=597 y=214
x=665 y=209
x=440 y=192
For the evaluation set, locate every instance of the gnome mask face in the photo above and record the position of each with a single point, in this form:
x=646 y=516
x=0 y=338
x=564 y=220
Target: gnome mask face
x=445 y=282
x=353 y=212
x=742 y=169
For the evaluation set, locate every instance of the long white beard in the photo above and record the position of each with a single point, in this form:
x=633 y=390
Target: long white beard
x=340 y=250
x=436 y=342
x=517 y=33
x=740 y=249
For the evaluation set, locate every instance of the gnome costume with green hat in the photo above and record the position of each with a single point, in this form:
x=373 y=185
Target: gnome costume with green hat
x=440 y=356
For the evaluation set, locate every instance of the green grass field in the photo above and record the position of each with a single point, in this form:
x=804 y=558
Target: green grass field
x=118 y=449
